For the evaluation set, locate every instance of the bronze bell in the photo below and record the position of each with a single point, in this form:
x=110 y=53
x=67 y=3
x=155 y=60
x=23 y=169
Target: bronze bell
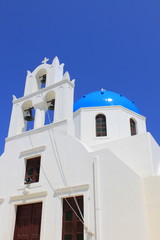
x=43 y=78
x=51 y=104
x=28 y=114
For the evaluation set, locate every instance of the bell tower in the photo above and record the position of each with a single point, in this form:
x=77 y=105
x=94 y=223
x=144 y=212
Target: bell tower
x=47 y=88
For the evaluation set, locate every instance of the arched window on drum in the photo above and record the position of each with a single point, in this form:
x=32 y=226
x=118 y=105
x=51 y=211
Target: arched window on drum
x=133 y=127
x=101 y=126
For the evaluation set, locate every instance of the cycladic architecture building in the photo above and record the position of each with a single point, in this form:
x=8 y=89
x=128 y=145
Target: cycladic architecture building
x=83 y=171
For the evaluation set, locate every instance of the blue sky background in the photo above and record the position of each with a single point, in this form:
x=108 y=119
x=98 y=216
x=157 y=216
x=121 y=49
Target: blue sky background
x=109 y=44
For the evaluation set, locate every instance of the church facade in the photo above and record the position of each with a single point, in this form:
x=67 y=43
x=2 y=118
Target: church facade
x=83 y=171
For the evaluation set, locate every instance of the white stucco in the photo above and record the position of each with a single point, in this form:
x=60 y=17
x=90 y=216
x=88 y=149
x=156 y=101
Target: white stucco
x=117 y=118
x=118 y=174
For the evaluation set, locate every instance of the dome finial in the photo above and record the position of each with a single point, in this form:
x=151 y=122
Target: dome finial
x=102 y=90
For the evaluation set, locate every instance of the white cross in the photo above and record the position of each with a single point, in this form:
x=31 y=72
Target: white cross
x=45 y=60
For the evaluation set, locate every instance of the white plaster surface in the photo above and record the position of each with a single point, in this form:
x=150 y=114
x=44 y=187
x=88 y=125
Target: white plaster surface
x=118 y=175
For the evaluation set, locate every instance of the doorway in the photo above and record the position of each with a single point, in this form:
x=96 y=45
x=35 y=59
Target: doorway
x=28 y=222
x=72 y=218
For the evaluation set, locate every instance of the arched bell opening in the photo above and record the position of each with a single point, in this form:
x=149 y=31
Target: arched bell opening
x=50 y=103
x=28 y=115
x=41 y=78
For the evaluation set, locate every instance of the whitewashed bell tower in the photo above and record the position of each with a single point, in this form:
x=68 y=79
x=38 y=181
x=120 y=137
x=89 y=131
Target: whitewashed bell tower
x=46 y=87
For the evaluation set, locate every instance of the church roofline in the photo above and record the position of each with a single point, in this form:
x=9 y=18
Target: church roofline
x=43 y=90
x=102 y=108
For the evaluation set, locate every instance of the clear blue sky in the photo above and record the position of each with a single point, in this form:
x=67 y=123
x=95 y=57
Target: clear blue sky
x=111 y=44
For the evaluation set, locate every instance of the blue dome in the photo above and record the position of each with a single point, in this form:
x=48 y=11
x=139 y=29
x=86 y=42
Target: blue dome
x=104 y=98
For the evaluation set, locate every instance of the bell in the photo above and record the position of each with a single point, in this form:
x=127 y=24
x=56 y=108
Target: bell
x=51 y=104
x=28 y=115
x=43 y=78
x=28 y=180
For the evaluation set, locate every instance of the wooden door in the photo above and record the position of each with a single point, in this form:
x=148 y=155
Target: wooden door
x=28 y=222
x=72 y=219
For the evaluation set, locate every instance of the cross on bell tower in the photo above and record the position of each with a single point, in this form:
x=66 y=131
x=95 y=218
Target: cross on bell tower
x=45 y=60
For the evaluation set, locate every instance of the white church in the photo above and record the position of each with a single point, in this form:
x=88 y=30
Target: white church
x=77 y=171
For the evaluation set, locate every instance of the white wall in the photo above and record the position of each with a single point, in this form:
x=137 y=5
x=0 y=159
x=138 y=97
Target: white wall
x=120 y=189
x=152 y=194
x=107 y=171
x=56 y=149
x=137 y=152
x=118 y=124
x=121 y=200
